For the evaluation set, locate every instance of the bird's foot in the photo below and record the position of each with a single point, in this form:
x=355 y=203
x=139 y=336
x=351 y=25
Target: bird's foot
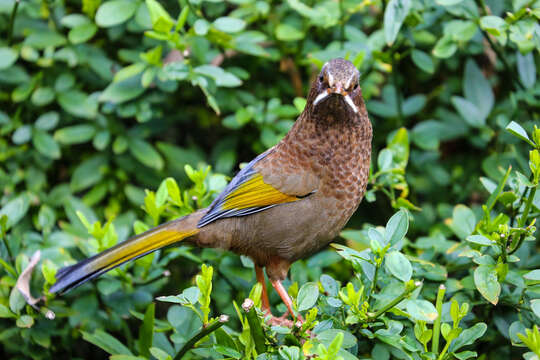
x=280 y=321
x=283 y=320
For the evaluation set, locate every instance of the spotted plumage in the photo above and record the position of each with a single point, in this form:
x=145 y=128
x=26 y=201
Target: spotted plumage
x=287 y=203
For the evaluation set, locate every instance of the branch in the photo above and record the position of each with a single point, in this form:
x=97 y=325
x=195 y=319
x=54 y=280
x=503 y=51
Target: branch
x=205 y=331
x=12 y=21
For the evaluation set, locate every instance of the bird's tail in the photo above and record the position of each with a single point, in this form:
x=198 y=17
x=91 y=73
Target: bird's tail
x=169 y=233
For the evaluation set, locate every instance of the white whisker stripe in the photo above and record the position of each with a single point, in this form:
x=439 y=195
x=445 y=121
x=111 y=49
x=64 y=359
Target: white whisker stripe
x=320 y=97
x=349 y=101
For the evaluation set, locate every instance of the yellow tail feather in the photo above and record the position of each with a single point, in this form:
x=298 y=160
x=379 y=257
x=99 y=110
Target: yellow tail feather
x=166 y=234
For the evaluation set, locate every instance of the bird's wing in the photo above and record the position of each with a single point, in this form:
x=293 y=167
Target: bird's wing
x=248 y=193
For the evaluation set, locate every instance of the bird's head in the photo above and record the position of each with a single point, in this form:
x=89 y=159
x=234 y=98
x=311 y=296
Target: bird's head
x=336 y=88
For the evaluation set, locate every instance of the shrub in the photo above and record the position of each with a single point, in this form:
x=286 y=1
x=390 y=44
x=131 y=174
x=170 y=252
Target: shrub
x=101 y=100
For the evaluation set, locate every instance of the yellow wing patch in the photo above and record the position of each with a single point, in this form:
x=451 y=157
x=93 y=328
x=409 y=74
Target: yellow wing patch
x=255 y=193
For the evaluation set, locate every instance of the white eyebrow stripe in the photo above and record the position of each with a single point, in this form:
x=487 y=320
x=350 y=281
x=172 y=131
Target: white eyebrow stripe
x=330 y=79
x=320 y=97
x=349 y=101
x=349 y=82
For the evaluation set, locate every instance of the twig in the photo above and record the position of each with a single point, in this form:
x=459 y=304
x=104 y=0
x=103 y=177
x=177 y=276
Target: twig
x=409 y=288
x=374 y=281
x=205 y=331
x=12 y=21
x=523 y=218
x=484 y=9
x=437 y=323
x=255 y=327
x=3 y=234
x=396 y=88
x=288 y=65
x=342 y=27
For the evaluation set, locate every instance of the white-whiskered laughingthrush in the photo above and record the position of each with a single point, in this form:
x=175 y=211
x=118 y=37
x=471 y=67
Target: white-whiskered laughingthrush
x=286 y=204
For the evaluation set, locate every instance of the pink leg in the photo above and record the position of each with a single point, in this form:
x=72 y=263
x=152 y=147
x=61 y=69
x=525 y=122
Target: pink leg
x=285 y=297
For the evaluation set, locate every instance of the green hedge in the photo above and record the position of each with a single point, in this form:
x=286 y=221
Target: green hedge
x=102 y=100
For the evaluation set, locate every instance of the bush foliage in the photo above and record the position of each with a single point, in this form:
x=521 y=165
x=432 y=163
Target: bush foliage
x=100 y=100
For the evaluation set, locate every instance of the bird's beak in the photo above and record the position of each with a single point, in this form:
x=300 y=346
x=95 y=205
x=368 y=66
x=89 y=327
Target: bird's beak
x=336 y=89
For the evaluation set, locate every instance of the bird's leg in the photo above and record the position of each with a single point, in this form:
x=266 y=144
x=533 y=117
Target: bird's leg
x=261 y=280
x=285 y=297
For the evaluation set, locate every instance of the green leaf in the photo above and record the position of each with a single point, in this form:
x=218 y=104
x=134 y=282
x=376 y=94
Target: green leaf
x=159 y=354
x=468 y=111
x=463 y=221
x=493 y=25
x=106 y=342
x=16 y=300
x=47 y=121
x=477 y=89
x=423 y=61
x=145 y=153
x=115 y=12
x=8 y=57
x=445 y=47
x=146 y=331
x=328 y=336
x=533 y=275
x=526 y=69
x=220 y=76
x=64 y=82
x=161 y=20
x=307 y=296
x=74 y=20
x=43 y=96
x=88 y=173
x=395 y=13
x=535 y=306
x=48 y=269
x=468 y=336
x=122 y=91
x=15 y=209
x=422 y=310
x=201 y=27
x=448 y=2
x=82 y=33
x=485 y=280
x=129 y=71
x=515 y=129
x=22 y=135
x=464 y=355
x=25 y=321
x=46 y=217
x=75 y=134
x=287 y=32
x=43 y=39
x=397 y=227
x=78 y=104
x=460 y=30
x=479 y=240
x=229 y=352
x=398 y=265
x=229 y=24
x=45 y=144
x=5 y=312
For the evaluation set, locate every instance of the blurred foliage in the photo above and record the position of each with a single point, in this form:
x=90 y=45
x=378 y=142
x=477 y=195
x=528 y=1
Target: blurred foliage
x=100 y=100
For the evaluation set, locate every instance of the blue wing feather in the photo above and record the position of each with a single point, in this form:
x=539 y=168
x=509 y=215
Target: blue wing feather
x=216 y=211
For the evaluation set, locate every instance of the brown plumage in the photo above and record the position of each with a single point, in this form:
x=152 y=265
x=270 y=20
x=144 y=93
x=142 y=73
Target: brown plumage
x=288 y=203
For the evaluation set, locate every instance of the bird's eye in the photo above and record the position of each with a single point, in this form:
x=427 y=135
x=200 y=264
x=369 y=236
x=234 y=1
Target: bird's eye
x=355 y=86
x=321 y=78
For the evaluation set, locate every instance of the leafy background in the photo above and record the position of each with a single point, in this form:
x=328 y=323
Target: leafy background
x=101 y=100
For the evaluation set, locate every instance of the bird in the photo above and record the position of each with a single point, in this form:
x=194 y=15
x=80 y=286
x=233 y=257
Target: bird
x=286 y=204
